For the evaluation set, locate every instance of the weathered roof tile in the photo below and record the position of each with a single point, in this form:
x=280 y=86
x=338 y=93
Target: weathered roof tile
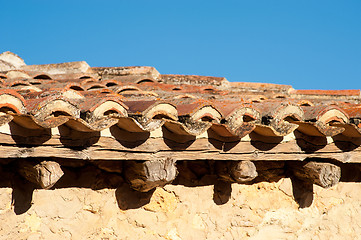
x=140 y=100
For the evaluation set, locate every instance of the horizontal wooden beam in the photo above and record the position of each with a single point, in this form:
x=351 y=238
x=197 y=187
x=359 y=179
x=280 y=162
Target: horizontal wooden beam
x=121 y=145
x=95 y=153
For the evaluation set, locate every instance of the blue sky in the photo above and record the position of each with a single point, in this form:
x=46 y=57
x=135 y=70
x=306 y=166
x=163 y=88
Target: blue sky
x=307 y=44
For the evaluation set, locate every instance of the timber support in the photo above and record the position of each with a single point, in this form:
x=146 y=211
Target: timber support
x=323 y=174
x=45 y=174
x=144 y=176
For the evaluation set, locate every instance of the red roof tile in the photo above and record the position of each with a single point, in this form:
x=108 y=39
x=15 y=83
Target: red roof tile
x=139 y=99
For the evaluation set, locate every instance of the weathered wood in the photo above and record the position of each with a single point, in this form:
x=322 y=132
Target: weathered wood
x=236 y=171
x=321 y=173
x=144 y=176
x=112 y=145
x=95 y=153
x=222 y=192
x=302 y=143
x=45 y=174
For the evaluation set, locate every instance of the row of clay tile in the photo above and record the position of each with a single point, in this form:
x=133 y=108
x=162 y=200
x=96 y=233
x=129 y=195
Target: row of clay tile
x=147 y=81
x=143 y=74
x=148 y=90
x=91 y=112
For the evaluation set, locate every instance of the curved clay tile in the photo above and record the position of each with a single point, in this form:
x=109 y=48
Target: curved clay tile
x=83 y=126
x=39 y=82
x=320 y=120
x=280 y=96
x=51 y=85
x=259 y=87
x=146 y=80
x=100 y=94
x=76 y=77
x=137 y=71
x=10 y=103
x=195 y=118
x=93 y=86
x=132 y=125
x=47 y=109
x=278 y=118
x=199 y=109
x=239 y=123
x=37 y=75
x=131 y=91
x=42 y=76
x=27 y=89
x=206 y=113
x=106 y=106
x=327 y=92
x=18 y=83
x=51 y=121
x=85 y=77
x=70 y=93
x=353 y=129
x=98 y=114
x=13 y=101
x=60 y=68
x=13 y=74
x=74 y=86
x=53 y=112
x=218 y=82
x=254 y=98
x=3 y=76
x=111 y=83
x=353 y=110
x=127 y=88
x=305 y=103
x=88 y=81
x=187 y=127
x=149 y=114
x=161 y=110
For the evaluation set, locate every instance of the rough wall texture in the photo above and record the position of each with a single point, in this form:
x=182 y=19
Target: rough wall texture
x=259 y=211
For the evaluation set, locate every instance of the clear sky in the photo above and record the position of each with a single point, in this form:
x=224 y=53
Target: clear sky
x=306 y=43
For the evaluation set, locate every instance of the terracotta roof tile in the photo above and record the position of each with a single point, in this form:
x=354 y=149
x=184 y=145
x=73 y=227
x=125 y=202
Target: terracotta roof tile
x=59 y=68
x=216 y=82
x=127 y=74
x=139 y=100
x=328 y=92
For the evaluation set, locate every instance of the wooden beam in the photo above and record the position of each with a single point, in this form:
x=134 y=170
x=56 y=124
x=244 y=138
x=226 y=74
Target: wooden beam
x=118 y=146
x=323 y=174
x=45 y=174
x=236 y=171
x=146 y=175
x=96 y=153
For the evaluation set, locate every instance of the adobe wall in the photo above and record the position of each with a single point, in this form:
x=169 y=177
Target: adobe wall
x=259 y=211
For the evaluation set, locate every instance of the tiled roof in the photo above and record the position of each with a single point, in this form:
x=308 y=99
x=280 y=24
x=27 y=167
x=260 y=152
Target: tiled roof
x=93 y=99
x=74 y=111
